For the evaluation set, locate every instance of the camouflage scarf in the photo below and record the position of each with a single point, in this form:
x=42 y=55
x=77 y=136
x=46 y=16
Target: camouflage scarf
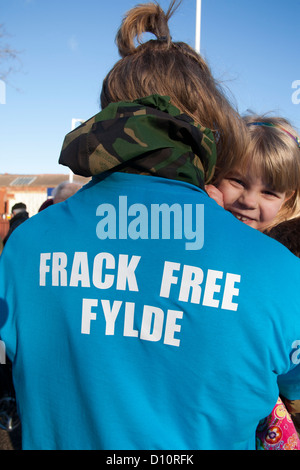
x=147 y=136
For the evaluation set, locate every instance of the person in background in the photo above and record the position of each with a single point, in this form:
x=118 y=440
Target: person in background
x=62 y=192
x=143 y=318
x=47 y=203
x=19 y=215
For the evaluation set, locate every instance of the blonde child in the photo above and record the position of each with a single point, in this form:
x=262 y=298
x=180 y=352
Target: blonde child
x=262 y=191
x=263 y=188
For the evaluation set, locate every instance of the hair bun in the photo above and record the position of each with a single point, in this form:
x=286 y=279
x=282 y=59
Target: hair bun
x=146 y=18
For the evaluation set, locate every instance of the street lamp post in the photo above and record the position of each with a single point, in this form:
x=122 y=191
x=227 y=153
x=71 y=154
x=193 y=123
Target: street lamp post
x=198 y=26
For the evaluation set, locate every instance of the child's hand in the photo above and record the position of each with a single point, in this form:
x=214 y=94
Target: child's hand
x=215 y=194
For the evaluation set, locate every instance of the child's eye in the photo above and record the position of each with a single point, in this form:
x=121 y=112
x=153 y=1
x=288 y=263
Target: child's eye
x=236 y=181
x=271 y=193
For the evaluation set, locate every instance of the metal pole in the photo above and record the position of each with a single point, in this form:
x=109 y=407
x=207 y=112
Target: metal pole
x=198 y=26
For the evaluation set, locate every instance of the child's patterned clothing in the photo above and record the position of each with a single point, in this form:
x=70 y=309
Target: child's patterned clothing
x=277 y=431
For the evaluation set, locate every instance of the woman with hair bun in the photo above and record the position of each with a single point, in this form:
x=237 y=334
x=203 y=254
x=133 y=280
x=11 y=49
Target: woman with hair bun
x=141 y=330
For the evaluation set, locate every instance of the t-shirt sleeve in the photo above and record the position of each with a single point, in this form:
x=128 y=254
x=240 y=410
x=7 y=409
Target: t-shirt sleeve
x=7 y=303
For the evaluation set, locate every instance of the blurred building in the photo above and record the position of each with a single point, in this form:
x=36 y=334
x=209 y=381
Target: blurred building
x=32 y=190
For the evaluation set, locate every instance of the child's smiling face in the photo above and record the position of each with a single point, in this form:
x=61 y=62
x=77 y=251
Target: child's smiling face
x=250 y=200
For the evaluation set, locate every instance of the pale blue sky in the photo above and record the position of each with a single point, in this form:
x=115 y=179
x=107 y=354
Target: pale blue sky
x=67 y=47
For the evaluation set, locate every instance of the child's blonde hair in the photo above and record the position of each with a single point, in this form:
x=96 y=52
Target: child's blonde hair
x=273 y=154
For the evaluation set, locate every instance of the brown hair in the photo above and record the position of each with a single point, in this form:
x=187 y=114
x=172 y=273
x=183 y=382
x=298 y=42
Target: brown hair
x=288 y=233
x=173 y=69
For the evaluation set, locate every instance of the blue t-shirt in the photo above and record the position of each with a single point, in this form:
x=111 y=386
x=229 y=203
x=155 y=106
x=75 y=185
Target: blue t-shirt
x=141 y=315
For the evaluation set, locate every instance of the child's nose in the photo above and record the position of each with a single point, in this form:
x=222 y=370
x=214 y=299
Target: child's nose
x=249 y=199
